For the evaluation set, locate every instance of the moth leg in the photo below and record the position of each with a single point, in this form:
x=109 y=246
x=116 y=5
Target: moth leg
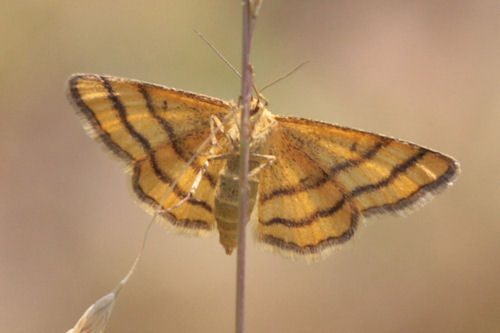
x=221 y=156
x=218 y=125
x=268 y=160
x=235 y=116
x=191 y=191
x=203 y=169
x=215 y=123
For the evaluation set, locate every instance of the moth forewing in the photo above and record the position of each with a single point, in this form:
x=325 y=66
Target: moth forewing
x=327 y=178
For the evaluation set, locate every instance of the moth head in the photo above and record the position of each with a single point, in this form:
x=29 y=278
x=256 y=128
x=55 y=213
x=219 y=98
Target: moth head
x=261 y=120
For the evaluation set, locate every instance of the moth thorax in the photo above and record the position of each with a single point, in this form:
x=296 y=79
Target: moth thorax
x=227 y=200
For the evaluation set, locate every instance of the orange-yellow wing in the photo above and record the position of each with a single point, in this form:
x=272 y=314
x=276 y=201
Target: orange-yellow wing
x=327 y=177
x=155 y=130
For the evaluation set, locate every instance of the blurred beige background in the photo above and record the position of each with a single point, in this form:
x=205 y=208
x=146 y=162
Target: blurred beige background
x=424 y=71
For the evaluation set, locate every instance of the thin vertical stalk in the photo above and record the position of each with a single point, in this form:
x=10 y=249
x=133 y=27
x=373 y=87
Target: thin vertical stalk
x=246 y=90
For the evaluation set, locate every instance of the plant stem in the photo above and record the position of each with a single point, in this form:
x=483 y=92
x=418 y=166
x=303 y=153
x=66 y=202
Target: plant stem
x=246 y=90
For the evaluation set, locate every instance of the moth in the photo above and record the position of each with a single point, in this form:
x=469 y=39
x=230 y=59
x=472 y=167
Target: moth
x=311 y=183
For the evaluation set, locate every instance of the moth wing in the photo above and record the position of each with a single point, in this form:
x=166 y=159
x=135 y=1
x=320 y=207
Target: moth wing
x=327 y=177
x=156 y=131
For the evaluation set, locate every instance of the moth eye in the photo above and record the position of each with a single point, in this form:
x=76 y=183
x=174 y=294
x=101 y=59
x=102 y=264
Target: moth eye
x=254 y=110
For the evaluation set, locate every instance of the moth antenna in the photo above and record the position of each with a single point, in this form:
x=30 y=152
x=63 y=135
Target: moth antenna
x=224 y=59
x=284 y=76
x=218 y=53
